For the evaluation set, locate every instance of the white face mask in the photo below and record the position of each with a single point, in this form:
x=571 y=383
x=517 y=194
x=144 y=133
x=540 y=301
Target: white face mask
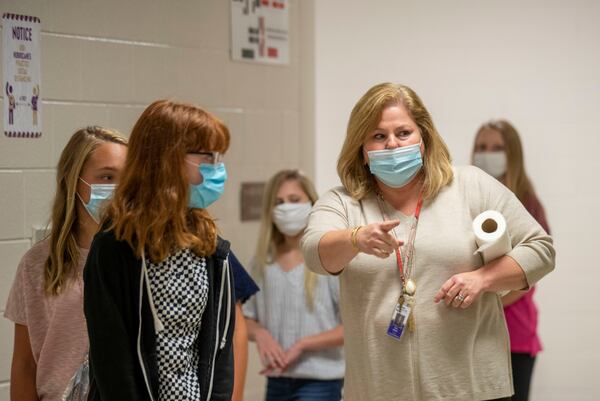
x=493 y=163
x=291 y=218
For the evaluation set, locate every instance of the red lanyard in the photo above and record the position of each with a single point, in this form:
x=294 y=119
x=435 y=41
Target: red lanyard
x=411 y=240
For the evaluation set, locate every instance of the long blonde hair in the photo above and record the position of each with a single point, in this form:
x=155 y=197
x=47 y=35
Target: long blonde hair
x=270 y=238
x=352 y=167
x=63 y=258
x=150 y=209
x=516 y=178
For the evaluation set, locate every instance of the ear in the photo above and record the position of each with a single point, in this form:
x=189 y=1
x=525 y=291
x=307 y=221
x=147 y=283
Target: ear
x=422 y=143
x=364 y=155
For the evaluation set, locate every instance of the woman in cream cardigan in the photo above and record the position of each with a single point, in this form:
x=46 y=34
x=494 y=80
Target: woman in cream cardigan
x=422 y=315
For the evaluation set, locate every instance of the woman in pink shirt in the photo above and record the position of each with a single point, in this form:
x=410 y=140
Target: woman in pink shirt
x=498 y=152
x=46 y=298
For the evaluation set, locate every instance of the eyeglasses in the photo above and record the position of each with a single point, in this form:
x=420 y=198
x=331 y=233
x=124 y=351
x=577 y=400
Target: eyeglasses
x=208 y=157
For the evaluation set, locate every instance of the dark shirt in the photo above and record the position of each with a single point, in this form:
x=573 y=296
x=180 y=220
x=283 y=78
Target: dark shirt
x=245 y=287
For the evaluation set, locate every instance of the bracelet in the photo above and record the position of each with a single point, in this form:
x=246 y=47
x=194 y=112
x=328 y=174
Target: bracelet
x=353 y=237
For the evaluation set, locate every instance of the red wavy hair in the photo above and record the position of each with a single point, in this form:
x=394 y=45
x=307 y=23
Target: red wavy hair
x=150 y=206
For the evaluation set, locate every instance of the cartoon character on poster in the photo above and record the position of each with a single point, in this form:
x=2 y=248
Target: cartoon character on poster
x=34 y=103
x=12 y=103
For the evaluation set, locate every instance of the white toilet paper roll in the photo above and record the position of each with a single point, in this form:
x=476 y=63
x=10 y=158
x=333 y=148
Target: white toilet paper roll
x=491 y=235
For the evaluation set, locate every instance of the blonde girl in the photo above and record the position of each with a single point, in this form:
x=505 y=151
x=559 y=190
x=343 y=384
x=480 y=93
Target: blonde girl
x=46 y=299
x=294 y=319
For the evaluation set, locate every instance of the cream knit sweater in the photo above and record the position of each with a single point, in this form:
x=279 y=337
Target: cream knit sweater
x=454 y=354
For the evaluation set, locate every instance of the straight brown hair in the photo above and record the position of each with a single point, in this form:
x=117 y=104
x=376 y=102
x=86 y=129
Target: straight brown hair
x=150 y=207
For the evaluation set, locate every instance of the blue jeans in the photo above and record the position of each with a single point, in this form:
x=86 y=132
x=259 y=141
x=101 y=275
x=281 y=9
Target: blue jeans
x=287 y=389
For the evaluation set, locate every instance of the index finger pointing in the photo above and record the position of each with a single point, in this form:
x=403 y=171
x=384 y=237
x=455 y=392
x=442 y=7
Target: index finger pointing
x=388 y=225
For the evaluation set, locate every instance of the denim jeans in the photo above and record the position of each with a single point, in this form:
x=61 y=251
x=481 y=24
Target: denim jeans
x=288 y=389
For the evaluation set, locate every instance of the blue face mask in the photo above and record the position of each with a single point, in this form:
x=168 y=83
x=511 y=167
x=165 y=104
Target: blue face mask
x=99 y=193
x=211 y=188
x=396 y=167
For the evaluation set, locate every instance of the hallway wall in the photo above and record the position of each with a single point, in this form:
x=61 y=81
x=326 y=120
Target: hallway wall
x=103 y=62
x=535 y=63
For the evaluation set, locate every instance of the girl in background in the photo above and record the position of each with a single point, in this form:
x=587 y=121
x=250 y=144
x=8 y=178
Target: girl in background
x=295 y=318
x=497 y=151
x=46 y=299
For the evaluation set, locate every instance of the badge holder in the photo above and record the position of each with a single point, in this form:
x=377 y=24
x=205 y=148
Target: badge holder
x=400 y=317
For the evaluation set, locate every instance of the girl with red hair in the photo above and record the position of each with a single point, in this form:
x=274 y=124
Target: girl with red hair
x=159 y=296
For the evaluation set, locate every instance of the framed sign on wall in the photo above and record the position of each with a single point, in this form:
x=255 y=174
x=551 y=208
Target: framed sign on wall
x=22 y=76
x=260 y=31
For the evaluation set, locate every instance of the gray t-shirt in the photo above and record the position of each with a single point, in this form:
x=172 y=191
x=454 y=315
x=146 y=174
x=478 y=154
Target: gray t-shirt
x=280 y=307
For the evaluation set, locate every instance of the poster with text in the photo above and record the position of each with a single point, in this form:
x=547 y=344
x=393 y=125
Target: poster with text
x=22 y=76
x=259 y=31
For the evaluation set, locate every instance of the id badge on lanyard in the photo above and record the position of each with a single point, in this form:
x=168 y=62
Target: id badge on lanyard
x=399 y=319
x=403 y=316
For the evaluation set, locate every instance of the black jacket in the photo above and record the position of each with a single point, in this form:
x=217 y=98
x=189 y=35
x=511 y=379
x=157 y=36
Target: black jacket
x=123 y=360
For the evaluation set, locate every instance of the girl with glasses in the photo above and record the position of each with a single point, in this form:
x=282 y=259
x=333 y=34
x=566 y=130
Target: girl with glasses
x=159 y=298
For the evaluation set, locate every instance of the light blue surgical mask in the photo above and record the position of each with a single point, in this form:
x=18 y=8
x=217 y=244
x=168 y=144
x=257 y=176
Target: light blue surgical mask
x=99 y=193
x=211 y=188
x=396 y=167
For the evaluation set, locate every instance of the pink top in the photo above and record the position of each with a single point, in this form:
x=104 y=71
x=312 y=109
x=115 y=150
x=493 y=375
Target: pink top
x=522 y=316
x=56 y=325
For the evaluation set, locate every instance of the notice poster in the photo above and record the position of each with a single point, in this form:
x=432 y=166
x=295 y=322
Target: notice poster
x=22 y=76
x=259 y=31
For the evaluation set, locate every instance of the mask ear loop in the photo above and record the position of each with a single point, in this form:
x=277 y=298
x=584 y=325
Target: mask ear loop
x=85 y=205
x=86 y=208
x=85 y=182
x=77 y=192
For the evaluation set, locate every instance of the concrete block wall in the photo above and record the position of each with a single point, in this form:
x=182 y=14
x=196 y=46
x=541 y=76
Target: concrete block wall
x=103 y=62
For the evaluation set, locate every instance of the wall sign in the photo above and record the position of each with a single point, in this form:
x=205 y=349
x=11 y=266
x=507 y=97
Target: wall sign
x=21 y=82
x=259 y=31
x=251 y=198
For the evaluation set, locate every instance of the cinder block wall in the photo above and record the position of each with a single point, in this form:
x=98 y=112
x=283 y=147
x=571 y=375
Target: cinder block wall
x=103 y=62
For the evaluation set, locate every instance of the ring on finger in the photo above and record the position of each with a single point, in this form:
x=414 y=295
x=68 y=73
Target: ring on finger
x=460 y=298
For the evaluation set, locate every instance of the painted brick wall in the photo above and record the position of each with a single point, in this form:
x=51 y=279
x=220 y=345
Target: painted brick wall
x=103 y=62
